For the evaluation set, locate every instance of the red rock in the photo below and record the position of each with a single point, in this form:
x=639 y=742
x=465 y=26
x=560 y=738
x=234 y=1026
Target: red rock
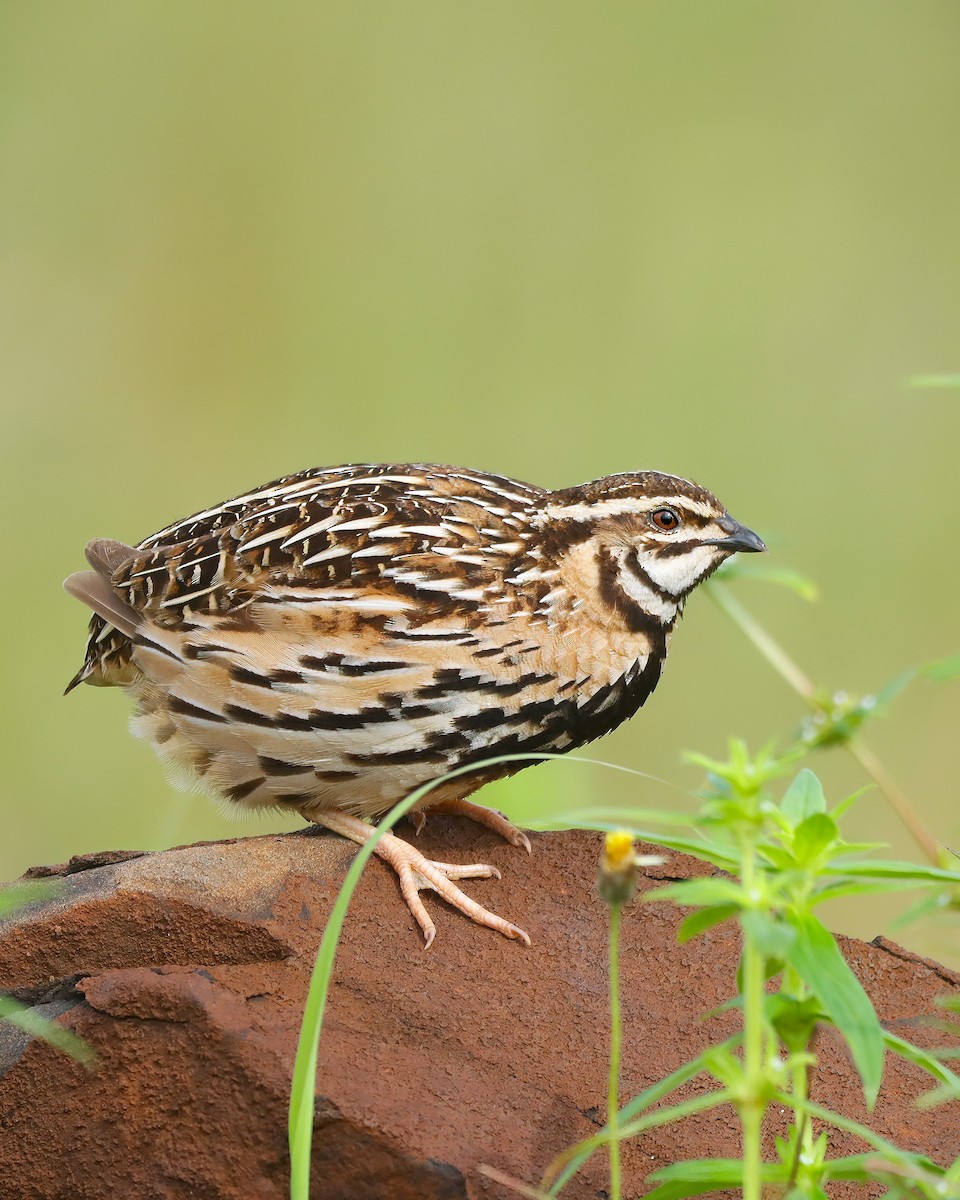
x=187 y=972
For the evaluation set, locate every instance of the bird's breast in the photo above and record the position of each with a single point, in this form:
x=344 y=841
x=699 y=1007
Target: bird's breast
x=311 y=705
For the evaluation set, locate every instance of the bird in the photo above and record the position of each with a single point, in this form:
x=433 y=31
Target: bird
x=330 y=641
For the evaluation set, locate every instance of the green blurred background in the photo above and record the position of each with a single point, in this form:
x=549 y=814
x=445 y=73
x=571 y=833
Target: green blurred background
x=551 y=240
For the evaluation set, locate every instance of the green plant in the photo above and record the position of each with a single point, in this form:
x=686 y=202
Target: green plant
x=781 y=860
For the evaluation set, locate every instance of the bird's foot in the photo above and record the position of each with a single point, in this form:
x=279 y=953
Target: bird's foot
x=489 y=817
x=418 y=873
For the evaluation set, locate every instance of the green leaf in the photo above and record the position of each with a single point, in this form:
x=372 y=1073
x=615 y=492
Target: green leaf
x=765 y=572
x=37 y=1026
x=697 y=846
x=941 y=670
x=21 y=894
x=803 y=797
x=882 y=869
x=724 y=857
x=946 y=668
x=927 y=904
x=841 y=809
x=854 y=1168
x=851 y=848
x=891 y=690
x=569 y=1161
x=776 y=856
x=806 y=1191
x=813 y=836
x=835 y=1168
x=656 y=1092
x=702 y=1176
x=815 y=956
x=875 y=1167
x=703 y=919
x=772 y=936
x=697 y=892
x=926 y=1061
x=607 y=818
x=865 y=887
x=794 y=1020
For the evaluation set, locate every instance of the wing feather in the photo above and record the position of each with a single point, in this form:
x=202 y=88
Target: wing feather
x=398 y=528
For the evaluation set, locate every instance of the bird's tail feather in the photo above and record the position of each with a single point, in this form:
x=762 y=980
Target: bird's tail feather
x=95 y=592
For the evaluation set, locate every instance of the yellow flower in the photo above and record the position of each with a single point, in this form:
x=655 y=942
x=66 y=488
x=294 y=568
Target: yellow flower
x=619 y=863
x=618 y=868
x=617 y=851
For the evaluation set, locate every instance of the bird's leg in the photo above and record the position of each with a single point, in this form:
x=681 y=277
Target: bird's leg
x=417 y=873
x=483 y=816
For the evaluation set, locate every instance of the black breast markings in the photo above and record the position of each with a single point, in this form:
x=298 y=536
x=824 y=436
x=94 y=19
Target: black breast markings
x=539 y=726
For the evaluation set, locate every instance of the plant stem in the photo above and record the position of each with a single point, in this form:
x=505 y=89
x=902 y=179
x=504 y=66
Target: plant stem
x=788 y=670
x=751 y=1106
x=805 y=1140
x=771 y=650
x=613 y=1085
x=898 y=801
x=793 y=985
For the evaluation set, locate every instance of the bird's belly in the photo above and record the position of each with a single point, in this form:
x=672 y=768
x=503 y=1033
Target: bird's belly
x=265 y=720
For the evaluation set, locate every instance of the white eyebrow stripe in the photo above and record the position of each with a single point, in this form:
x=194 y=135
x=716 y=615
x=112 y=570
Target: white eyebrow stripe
x=589 y=512
x=683 y=502
x=622 y=506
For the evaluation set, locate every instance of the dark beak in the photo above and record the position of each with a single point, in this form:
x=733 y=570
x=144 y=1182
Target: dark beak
x=739 y=538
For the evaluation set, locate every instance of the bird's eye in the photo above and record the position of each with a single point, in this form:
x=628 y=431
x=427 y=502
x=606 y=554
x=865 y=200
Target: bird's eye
x=665 y=519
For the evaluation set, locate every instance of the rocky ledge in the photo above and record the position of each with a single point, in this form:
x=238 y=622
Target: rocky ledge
x=187 y=970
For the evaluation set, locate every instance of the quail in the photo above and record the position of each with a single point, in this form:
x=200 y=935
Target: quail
x=332 y=640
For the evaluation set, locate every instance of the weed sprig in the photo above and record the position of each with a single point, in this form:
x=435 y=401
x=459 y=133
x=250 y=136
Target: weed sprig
x=781 y=860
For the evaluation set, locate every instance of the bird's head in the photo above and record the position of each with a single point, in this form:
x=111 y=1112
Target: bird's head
x=639 y=542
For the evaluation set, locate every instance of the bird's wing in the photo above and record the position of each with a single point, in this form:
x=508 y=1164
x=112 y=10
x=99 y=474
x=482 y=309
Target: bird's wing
x=451 y=536
x=440 y=533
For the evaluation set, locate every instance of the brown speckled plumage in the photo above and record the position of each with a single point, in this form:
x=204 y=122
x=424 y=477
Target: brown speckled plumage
x=332 y=640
